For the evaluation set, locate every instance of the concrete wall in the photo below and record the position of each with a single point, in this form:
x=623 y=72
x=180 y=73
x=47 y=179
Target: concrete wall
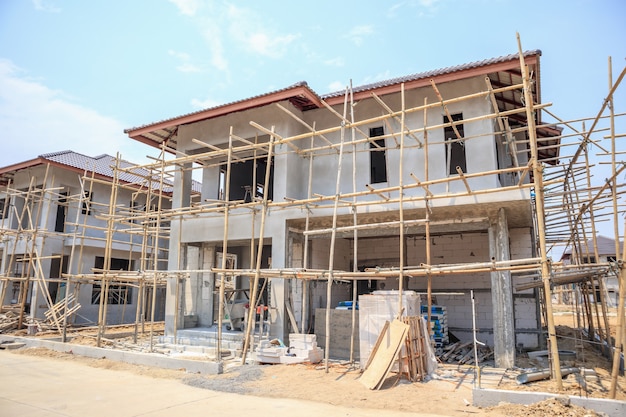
x=453 y=249
x=340 y=332
x=291 y=173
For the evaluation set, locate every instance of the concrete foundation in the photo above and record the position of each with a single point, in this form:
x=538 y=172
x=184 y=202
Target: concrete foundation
x=135 y=358
x=492 y=397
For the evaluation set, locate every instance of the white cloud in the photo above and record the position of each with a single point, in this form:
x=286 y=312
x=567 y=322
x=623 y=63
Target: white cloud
x=426 y=8
x=247 y=30
x=185 y=62
x=357 y=34
x=394 y=8
x=428 y=3
x=204 y=104
x=212 y=36
x=187 y=7
x=335 y=62
x=375 y=78
x=35 y=119
x=45 y=6
x=188 y=67
x=336 y=86
x=227 y=30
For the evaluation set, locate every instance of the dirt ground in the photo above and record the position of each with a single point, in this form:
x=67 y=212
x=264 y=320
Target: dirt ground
x=448 y=393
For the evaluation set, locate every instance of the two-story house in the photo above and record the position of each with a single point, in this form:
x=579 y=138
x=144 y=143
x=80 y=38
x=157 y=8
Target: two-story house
x=423 y=178
x=55 y=233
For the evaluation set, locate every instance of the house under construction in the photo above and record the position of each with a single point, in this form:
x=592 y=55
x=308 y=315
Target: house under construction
x=449 y=182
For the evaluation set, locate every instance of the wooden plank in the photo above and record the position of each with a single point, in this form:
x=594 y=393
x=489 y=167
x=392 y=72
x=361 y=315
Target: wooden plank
x=376 y=345
x=389 y=343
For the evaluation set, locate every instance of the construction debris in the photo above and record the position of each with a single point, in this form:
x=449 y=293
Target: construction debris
x=463 y=353
x=8 y=321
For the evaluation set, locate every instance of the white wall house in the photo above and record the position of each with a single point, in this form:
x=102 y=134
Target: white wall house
x=53 y=223
x=608 y=253
x=484 y=217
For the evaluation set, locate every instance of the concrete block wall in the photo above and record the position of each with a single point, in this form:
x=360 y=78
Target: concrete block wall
x=340 y=333
x=525 y=302
x=521 y=243
x=447 y=249
x=320 y=251
x=383 y=250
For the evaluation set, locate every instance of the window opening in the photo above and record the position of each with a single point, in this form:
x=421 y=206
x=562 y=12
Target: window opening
x=378 y=156
x=59 y=224
x=118 y=293
x=87 y=199
x=455 y=149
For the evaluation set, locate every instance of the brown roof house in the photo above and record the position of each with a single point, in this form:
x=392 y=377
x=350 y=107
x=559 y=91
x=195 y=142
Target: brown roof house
x=53 y=223
x=421 y=180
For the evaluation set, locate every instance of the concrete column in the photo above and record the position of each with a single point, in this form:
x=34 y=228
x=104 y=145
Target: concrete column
x=210 y=183
x=208 y=285
x=181 y=197
x=4 y=289
x=502 y=294
x=278 y=288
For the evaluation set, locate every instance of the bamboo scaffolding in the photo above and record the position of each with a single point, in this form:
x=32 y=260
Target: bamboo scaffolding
x=257 y=270
x=220 y=311
x=567 y=206
x=537 y=172
x=355 y=236
x=333 y=238
x=401 y=208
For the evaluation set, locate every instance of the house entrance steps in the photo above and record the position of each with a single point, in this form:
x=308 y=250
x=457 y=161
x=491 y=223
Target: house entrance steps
x=203 y=340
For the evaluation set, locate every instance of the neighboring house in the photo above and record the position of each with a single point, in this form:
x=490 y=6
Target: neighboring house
x=53 y=222
x=493 y=221
x=606 y=254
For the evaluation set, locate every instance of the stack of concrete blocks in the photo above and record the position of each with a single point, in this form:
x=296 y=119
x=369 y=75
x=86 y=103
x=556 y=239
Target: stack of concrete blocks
x=302 y=348
x=377 y=308
x=438 y=325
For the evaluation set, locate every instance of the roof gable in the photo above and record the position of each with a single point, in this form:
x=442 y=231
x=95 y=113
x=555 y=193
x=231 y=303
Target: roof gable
x=304 y=98
x=101 y=166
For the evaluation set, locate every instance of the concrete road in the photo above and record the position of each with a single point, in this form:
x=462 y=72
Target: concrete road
x=45 y=387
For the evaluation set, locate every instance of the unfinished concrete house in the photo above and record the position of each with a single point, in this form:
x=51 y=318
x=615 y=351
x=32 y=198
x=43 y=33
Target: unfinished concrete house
x=420 y=183
x=602 y=250
x=62 y=261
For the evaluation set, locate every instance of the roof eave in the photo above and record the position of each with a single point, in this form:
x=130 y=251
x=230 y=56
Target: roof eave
x=138 y=133
x=22 y=165
x=441 y=78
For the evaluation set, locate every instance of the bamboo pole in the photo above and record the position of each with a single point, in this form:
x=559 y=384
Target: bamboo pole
x=104 y=289
x=355 y=233
x=539 y=196
x=305 y=261
x=220 y=311
x=155 y=257
x=429 y=282
x=599 y=279
x=253 y=230
x=24 y=286
x=401 y=206
x=71 y=264
x=259 y=257
x=396 y=118
x=305 y=124
x=331 y=256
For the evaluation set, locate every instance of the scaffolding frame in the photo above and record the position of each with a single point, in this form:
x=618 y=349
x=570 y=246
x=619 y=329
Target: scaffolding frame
x=566 y=206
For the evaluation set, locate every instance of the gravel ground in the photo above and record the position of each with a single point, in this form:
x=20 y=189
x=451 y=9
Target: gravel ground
x=233 y=380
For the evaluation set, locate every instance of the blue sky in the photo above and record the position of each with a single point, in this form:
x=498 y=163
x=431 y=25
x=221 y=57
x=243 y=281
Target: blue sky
x=75 y=74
